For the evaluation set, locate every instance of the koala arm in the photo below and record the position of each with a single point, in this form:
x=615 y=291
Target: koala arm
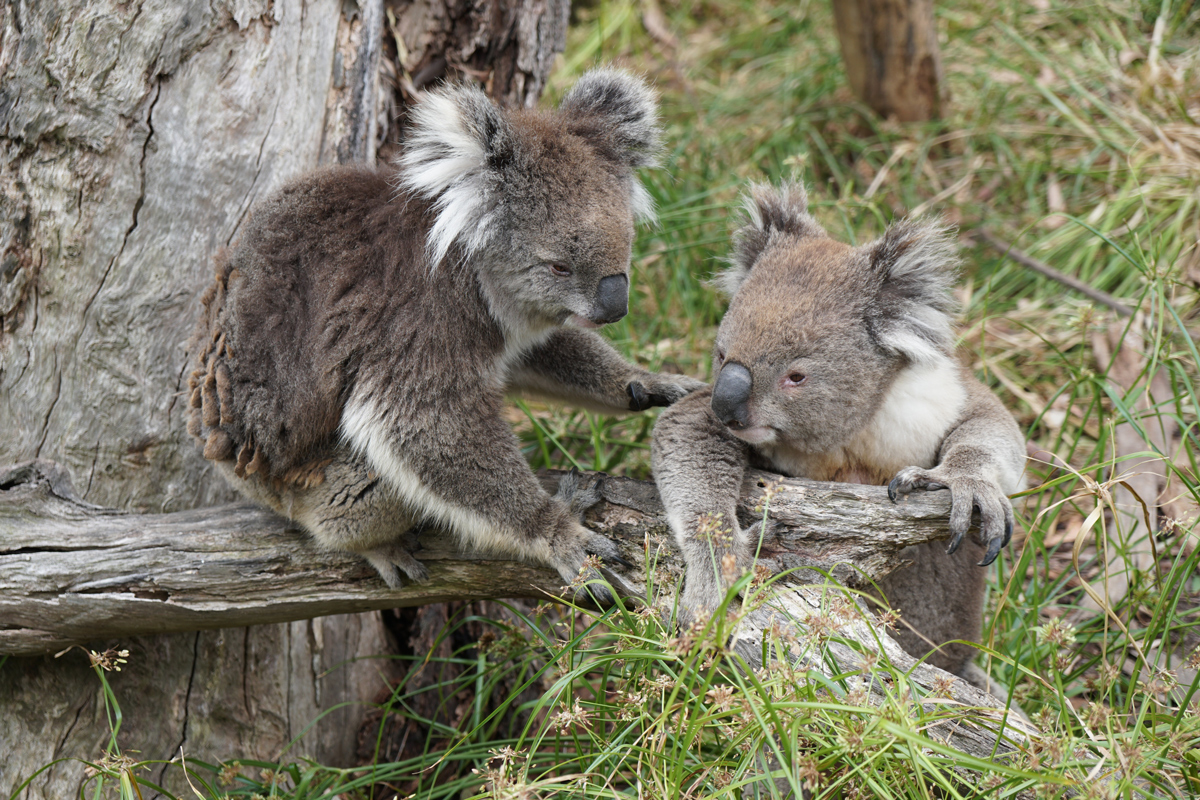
x=579 y=367
x=699 y=467
x=453 y=459
x=980 y=461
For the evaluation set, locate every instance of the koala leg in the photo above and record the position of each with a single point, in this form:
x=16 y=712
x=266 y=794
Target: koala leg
x=941 y=597
x=581 y=368
x=465 y=470
x=347 y=507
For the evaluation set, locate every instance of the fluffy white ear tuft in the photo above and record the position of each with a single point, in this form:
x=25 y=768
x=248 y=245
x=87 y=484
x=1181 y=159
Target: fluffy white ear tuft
x=916 y=262
x=617 y=113
x=457 y=134
x=640 y=202
x=768 y=211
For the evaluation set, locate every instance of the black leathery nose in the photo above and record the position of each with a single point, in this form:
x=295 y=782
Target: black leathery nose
x=612 y=299
x=731 y=395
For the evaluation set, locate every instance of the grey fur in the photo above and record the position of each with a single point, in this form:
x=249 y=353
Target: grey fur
x=853 y=378
x=345 y=379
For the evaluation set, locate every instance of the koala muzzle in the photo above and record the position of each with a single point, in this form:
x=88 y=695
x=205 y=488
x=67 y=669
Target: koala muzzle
x=731 y=395
x=612 y=300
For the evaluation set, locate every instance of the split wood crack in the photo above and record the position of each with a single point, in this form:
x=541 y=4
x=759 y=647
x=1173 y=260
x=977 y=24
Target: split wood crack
x=71 y=572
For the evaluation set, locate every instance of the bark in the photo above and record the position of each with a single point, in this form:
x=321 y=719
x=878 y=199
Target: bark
x=134 y=139
x=508 y=46
x=72 y=573
x=235 y=565
x=891 y=55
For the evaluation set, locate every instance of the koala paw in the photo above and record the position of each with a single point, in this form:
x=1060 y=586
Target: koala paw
x=966 y=495
x=574 y=558
x=660 y=389
x=702 y=595
x=580 y=492
x=393 y=560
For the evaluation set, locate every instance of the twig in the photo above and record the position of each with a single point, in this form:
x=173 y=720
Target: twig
x=1026 y=260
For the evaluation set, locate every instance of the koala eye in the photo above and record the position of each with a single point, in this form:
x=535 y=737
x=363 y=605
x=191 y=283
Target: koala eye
x=794 y=379
x=559 y=269
x=720 y=356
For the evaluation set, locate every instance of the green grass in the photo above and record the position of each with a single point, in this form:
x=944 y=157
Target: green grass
x=1071 y=132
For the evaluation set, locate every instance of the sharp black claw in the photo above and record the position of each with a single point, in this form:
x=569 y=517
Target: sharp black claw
x=618 y=560
x=954 y=543
x=1008 y=529
x=638 y=401
x=993 y=550
x=892 y=488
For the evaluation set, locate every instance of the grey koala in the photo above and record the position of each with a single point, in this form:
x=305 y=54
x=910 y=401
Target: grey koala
x=350 y=366
x=837 y=363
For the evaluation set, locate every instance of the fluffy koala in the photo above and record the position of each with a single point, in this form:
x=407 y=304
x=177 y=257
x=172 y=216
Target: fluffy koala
x=354 y=351
x=837 y=363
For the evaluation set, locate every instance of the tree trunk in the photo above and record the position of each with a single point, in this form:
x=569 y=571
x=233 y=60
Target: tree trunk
x=134 y=139
x=891 y=55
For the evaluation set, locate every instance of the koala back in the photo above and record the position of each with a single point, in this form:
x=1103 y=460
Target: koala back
x=326 y=282
x=424 y=278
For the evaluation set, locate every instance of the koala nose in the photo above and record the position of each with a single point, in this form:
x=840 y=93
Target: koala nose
x=731 y=395
x=612 y=299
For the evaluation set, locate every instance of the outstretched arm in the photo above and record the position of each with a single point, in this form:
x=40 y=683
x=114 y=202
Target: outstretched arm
x=698 y=467
x=980 y=461
x=579 y=367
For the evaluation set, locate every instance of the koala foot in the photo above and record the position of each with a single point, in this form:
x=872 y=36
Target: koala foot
x=580 y=492
x=702 y=596
x=660 y=389
x=579 y=557
x=966 y=495
x=394 y=560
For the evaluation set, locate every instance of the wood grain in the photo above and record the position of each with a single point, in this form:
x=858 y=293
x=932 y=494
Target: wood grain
x=71 y=572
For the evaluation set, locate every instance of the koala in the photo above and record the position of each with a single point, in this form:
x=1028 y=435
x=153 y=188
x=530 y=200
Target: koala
x=837 y=363
x=353 y=354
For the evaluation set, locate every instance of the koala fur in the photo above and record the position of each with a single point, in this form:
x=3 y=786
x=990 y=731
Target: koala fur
x=837 y=363
x=353 y=355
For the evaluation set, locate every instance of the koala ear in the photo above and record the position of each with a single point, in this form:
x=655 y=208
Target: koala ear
x=916 y=263
x=768 y=211
x=457 y=142
x=618 y=114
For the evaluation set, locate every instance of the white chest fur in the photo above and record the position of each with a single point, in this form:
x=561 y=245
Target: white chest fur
x=920 y=407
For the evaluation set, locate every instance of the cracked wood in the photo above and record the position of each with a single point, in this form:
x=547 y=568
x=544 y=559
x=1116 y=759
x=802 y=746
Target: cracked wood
x=72 y=572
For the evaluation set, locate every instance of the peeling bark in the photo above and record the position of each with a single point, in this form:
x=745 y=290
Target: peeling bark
x=71 y=572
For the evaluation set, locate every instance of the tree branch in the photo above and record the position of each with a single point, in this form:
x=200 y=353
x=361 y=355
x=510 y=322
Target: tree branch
x=71 y=572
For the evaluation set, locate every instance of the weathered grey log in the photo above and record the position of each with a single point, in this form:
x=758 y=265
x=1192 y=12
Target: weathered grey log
x=71 y=572
x=78 y=572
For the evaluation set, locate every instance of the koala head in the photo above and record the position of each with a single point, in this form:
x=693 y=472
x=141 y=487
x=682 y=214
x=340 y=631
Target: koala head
x=816 y=330
x=541 y=204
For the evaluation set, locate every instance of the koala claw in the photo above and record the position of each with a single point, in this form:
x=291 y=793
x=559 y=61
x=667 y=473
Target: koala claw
x=579 y=493
x=393 y=560
x=966 y=495
x=663 y=390
x=911 y=478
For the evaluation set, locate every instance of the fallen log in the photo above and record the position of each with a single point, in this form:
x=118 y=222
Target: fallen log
x=71 y=572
